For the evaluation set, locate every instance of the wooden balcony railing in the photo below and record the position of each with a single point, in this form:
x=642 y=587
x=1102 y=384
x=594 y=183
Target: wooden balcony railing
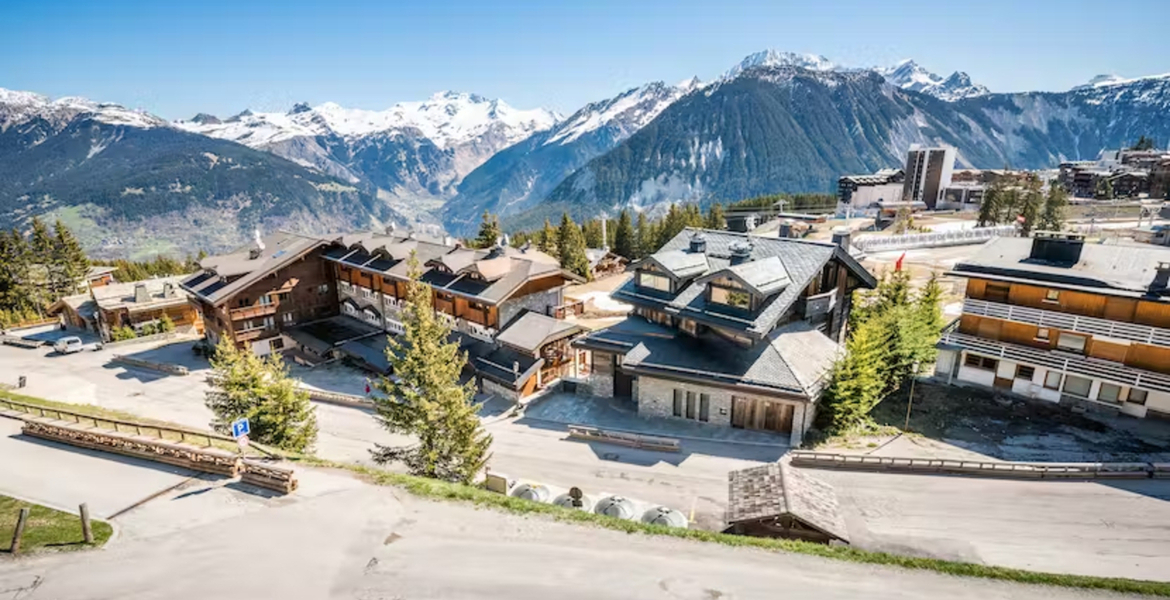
x=251 y=312
x=1065 y=362
x=1081 y=324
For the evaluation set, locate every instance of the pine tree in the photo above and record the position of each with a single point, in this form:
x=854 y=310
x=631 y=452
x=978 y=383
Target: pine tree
x=929 y=303
x=16 y=293
x=644 y=242
x=1031 y=203
x=489 y=231
x=1055 y=206
x=259 y=389
x=592 y=232
x=715 y=217
x=69 y=263
x=989 y=207
x=1143 y=143
x=425 y=398
x=40 y=265
x=546 y=239
x=572 y=248
x=624 y=243
x=855 y=384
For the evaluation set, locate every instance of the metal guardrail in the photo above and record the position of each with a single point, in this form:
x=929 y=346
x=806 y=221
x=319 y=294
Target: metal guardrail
x=1045 y=318
x=122 y=426
x=911 y=241
x=1007 y=470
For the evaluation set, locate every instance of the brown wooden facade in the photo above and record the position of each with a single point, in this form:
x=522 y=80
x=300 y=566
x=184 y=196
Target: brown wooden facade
x=1114 y=308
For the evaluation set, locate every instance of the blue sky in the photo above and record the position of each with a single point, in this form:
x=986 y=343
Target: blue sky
x=177 y=58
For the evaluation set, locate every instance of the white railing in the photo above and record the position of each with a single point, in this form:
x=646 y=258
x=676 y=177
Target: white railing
x=475 y=330
x=911 y=241
x=1078 y=323
x=1061 y=361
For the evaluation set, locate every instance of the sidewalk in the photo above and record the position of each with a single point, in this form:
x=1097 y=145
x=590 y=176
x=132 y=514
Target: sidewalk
x=610 y=413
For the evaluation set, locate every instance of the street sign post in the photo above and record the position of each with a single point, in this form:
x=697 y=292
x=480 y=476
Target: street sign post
x=241 y=428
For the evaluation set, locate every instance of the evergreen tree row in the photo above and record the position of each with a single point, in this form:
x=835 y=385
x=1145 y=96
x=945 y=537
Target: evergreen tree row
x=38 y=269
x=1006 y=202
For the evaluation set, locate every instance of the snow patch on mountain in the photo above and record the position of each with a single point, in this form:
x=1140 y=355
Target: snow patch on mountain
x=18 y=107
x=629 y=111
x=909 y=75
x=775 y=58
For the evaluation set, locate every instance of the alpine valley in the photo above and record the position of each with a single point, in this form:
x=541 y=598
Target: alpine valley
x=132 y=184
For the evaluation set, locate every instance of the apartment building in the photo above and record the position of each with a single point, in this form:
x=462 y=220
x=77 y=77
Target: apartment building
x=729 y=329
x=253 y=295
x=1053 y=318
x=860 y=192
x=928 y=172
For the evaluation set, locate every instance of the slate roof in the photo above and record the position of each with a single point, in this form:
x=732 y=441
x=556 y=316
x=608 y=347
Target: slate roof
x=506 y=366
x=532 y=330
x=766 y=276
x=121 y=295
x=1115 y=269
x=680 y=263
x=497 y=275
x=322 y=335
x=778 y=489
x=801 y=259
x=793 y=361
x=226 y=274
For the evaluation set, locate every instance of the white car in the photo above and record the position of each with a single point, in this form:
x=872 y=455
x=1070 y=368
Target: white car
x=71 y=344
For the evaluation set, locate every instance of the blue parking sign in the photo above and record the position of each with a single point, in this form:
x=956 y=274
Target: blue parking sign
x=241 y=427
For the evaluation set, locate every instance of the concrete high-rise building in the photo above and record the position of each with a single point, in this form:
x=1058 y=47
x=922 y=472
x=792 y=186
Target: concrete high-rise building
x=928 y=173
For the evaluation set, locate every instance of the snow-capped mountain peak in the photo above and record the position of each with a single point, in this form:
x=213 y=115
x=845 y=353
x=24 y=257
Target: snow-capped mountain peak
x=909 y=75
x=18 y=107
x=626 y=113
x=775 y=58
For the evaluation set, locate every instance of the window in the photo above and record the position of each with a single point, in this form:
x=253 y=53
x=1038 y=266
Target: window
x=1071 y=343
x=284 y=296
x=1025 y=372
x=1042 y=334
x=366 y=293
x=277 y=344
x=1052 y=296
x=1052 y=380
x=265 y=300
x=980 y=362
x=705 y=407
x=690 y=405
x=996 y=292
x=1136 y=396
x=688 y=326
x=1109 y=393
x=269 y=321
x=286 y=317
x=1077 y=386
x=653 y=281
x=349 y=309
x=678 y=403
x=732 y=298
x=323 y=289
x=242 y=302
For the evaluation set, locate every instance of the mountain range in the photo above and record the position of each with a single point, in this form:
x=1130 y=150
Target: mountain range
x=134 y=184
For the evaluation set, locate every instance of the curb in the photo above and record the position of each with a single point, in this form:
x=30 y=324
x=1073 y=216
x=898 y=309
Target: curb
x=677 y=437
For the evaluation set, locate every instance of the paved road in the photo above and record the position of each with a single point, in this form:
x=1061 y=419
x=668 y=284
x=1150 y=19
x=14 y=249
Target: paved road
x=355 y=541
x=64 y=476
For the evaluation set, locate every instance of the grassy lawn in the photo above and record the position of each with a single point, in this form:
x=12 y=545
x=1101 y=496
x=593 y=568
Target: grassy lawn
x=47 y=528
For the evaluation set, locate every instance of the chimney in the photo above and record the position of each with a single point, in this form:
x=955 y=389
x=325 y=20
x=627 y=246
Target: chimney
x=1161 y=277
x=1059 y=248
x=168 y=290
x=516 y=367
x=741 y=252
x=699 y=243
x=786 y=228
x=448 y=240
x=140 y=294
x=842 y=236
x=391 y=228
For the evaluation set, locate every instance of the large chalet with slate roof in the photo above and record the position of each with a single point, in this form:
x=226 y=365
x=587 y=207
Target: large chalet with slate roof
x=730 y=329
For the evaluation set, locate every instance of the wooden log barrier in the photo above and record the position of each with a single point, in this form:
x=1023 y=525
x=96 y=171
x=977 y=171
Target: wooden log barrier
x=269 y=477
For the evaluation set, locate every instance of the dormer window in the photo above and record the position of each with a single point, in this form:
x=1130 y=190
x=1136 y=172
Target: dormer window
x=653 y=281
x=728 y=292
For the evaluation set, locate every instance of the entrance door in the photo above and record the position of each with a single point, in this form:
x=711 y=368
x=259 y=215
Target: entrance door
x=623 y=383
x=747 y=413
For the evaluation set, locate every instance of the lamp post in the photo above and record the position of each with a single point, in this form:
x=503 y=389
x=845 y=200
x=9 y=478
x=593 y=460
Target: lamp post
x=910 y=402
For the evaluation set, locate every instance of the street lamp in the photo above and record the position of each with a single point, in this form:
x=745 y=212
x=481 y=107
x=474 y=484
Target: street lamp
x=910 y=403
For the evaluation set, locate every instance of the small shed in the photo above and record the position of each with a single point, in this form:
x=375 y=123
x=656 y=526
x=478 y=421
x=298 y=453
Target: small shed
x=777 y=500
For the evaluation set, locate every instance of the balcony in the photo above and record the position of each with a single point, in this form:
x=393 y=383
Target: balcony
x=1061 y=361
x=250 y=312
x=248 y=335
x=475 y=330
x=1076 y=323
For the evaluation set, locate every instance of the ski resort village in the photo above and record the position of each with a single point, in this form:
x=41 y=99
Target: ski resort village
x=548 y=354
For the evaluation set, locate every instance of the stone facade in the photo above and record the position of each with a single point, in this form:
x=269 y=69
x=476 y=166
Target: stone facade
x=655 y=398
x=600 y=379
x=539 y=302
x=492 y=387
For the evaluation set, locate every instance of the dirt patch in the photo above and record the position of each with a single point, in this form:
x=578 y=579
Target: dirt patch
x=1009 y=427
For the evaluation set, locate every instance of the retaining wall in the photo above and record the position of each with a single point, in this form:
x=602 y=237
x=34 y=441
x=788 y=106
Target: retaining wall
x=154 y=366
x=1005 y=469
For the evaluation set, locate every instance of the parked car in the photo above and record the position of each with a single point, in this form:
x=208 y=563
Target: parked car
x=71 y=344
